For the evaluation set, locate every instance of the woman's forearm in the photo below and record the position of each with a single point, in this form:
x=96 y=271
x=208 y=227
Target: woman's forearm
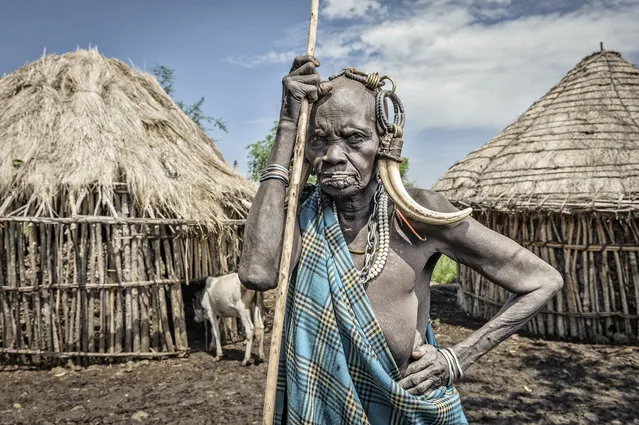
x=264 y=229
x=518 y=310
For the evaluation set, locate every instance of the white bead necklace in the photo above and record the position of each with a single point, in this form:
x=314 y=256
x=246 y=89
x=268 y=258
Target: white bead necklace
x=384 y=240
x=378 y=236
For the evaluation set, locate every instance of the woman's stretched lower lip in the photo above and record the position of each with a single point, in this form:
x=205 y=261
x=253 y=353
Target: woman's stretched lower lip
x=336 y=176
x=336 y=183
x=337 y=180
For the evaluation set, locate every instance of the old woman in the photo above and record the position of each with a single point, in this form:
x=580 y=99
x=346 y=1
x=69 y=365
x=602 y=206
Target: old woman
x=357 y=345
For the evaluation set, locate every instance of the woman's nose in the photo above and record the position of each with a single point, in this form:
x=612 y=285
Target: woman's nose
x=335 y=154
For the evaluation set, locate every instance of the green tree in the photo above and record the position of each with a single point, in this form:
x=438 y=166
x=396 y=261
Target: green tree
x=403 y=171
x=259 y=152
x=166 y=77
x=445 y=270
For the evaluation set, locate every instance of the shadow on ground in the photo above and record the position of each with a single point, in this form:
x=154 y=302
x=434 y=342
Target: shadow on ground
x=527 y=380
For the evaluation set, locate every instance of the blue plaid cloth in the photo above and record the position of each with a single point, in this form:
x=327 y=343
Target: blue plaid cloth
x=335 y=365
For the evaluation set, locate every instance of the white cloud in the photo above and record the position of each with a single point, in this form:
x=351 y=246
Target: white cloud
x=467 y=63
x=456 y=70
x=348 y=9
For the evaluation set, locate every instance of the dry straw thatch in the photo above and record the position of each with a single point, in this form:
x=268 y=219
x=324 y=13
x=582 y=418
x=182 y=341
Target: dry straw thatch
x=111 y=198
x=80 y=122
x=563 y=180
x=577 y=148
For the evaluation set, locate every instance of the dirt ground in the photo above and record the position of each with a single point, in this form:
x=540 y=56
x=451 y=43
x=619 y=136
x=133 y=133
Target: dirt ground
x=523 y=381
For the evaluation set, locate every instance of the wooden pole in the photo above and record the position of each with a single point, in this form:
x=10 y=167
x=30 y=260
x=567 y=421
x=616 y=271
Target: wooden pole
x=289 y=231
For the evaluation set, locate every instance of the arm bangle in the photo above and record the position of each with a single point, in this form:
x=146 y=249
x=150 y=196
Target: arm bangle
x=449 y=362
x=454 y=355
x=454 y=367
x=275 y=171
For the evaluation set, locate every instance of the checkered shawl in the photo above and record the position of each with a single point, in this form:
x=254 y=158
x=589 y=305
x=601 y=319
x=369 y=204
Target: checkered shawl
x=335 y=366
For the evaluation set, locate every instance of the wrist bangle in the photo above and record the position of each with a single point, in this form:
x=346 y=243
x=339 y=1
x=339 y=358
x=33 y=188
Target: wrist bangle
x=275 y=171
x=454 y=355
x=449 y=362
x=454 y=367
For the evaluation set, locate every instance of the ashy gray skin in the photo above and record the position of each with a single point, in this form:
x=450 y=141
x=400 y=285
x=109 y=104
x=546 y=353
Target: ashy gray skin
x=341 y=147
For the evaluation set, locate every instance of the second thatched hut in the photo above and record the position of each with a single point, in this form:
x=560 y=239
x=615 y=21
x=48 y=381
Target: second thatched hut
x=110 y=199
x=563 y=181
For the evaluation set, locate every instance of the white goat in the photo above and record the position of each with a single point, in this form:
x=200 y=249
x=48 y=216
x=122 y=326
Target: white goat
x=225 y=296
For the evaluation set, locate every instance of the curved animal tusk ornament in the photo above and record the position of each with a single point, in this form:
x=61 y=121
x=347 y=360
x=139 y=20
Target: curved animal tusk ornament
x=388 y=161
x=392 y=180
x=390 y=150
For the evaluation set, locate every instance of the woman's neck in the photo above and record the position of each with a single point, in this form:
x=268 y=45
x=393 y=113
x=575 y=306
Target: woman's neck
x=354 y=211
x=357 y=205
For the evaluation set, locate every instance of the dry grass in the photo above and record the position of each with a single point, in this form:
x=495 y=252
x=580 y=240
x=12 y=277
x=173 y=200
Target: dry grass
x=577 y=148
x=79 y=122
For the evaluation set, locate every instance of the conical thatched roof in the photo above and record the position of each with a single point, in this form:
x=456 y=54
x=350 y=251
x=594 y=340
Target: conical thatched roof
x=577 y=148
x=80 y=122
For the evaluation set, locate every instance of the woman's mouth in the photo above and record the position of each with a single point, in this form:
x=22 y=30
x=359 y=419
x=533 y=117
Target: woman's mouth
x=337 y=180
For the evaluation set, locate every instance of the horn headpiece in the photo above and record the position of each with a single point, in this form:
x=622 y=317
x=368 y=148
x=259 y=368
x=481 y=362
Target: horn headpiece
x=389 y=155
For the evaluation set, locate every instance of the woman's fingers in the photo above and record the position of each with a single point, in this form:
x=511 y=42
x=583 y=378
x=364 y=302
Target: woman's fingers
x=302 y=82
x=419 y=378
x=325 y=87
x=428 y=372
x=418 y=341
x=302 y=60
x=415 y=378
x=425 y=355
x=428 y=385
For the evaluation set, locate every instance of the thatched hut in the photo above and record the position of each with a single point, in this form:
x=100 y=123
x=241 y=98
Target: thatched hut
x=110 y=199
x=563 y=181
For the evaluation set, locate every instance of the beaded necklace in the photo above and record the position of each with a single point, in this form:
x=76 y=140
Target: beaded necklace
x=378 y=238
x=390 y=234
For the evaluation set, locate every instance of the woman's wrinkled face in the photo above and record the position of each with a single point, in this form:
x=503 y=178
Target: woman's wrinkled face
x=343 y=141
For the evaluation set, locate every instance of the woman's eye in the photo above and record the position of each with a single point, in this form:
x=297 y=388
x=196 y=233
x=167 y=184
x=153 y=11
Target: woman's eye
x=316 y=140
x=356 y=138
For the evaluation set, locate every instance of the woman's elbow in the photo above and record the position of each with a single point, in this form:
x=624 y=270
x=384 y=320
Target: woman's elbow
x=552 y=281
x=256 y=278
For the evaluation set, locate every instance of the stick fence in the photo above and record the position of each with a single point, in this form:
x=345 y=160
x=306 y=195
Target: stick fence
x=598 y=256
x=94 y=287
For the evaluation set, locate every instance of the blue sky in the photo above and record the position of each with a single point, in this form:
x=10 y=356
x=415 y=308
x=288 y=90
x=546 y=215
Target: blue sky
x=465 y=68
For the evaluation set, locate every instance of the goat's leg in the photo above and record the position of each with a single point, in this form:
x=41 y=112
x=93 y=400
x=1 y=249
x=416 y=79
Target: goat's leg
x=234 y=331
x=224 y=331
x=259 y=331
x=245 y=316
x=215 y=326
x=230 y=329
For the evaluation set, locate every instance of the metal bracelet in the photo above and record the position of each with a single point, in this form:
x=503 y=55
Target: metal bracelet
x=275 y=167
x=454 y=367
x=459 y=369
x=275 y=171
x=449 y=362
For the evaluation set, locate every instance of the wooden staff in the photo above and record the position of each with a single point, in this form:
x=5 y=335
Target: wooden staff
x=289 y=230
